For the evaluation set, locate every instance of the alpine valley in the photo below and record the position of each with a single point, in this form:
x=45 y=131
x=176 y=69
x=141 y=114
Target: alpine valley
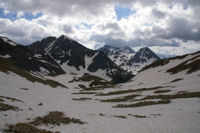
x=56 y=85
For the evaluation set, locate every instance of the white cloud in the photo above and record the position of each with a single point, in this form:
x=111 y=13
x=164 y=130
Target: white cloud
x=22 y=30
x=153 y=23
x=188 y=47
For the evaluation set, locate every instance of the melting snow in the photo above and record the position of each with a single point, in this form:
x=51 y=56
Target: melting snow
x=9 y=41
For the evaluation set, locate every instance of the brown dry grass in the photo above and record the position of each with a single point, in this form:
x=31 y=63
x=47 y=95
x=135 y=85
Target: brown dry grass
x=161 y=91
x=55 y=118
x=6 y=65
x=130 y=91
x=82 y=99
x=121 y=99
x=25 y=128
x=141 y=104
x=5 y=107
x=120 y=116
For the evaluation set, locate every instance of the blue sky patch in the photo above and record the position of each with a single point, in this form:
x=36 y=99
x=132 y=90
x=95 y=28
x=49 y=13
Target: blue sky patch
x=13 y=15
x=30 y=16
x=122 y=12
x=84 y=24
x=185 y=7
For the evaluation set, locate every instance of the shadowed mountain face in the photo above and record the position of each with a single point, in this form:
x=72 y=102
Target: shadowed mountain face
x=128 y=59
x=24 y=58
x=75 y=58
x=143 y=56
x=63 y=50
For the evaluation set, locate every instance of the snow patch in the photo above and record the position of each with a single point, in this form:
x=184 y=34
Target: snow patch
x=50 y=47
x=9 y=41
x=44 y=71
x=5 y=56
x=38 y=55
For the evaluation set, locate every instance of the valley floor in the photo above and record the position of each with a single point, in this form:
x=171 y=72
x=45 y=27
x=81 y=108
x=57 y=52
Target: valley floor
x=125 y=108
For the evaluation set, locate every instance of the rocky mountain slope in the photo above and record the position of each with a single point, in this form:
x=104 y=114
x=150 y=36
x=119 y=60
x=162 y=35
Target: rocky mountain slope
x=24 y=58
x=163 y=97
x=128 y=59
x=75 y=58
x=63 y=55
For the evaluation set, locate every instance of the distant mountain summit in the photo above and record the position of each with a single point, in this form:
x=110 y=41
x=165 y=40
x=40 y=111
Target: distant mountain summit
x=143 y=55
x=119 y=55
x=75 y=58
x=109 y=50
x=128 y=59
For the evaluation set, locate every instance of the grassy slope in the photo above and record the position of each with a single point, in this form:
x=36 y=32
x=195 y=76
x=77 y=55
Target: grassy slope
x=6 y=65
x=191 y=65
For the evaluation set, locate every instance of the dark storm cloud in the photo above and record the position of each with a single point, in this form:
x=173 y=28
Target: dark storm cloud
x=192 y=2
x=133 y=42
x=22 y=5
x=183 y=29
x=63 y=7
x=56 y=7
x=179 y=28
x=107 y=40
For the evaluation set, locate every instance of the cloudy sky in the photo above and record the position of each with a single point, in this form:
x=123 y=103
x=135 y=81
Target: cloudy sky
x=168 y=27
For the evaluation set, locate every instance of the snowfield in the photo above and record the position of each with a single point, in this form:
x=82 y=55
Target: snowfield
x=180 y=115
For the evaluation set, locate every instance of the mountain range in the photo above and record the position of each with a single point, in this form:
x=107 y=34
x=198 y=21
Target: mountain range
x=54 y=56
x=128 y=59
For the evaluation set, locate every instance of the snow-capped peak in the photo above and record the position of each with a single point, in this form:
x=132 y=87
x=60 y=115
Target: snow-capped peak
x=128 y=59
x=128 y=49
